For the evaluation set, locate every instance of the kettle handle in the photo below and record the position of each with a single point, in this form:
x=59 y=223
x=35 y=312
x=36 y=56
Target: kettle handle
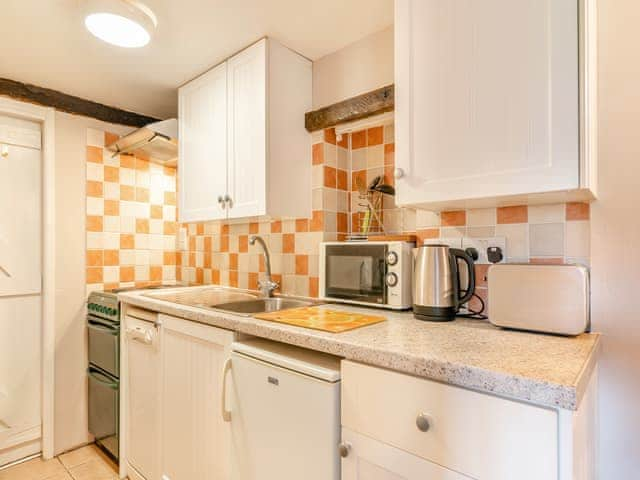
x=471 y=288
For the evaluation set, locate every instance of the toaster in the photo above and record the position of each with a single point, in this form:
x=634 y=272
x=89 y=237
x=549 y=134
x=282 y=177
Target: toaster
x=540 y=298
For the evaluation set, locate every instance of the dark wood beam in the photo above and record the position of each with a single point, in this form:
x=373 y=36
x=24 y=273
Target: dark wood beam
x=71 y=104
x=362 y=106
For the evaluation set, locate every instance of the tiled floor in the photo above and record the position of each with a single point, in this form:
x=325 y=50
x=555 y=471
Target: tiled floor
x=86 y=463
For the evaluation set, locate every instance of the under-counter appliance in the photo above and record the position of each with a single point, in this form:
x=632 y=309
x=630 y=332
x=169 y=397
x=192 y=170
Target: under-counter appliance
x=284 y=410
x=103 y=324
x=437 y=293
x=540 y=298
x=370 y=273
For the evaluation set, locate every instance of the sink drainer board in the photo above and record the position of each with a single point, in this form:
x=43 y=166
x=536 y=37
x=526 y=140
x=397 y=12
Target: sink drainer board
x=317 y=318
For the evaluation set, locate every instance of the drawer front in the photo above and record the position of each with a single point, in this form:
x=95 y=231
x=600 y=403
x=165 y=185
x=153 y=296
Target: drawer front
x=481 y=436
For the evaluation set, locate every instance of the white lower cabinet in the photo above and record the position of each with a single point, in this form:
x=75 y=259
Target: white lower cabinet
x=369 y=459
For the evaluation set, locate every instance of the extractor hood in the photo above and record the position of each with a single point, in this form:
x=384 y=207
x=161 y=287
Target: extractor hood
x=157 y=142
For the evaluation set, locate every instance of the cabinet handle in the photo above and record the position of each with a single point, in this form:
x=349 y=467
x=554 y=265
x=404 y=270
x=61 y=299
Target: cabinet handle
x=398 y=173
x=228 y=201
x=423 y=422
x=4 y=270
x=226 y=414
x=344 y=448
x=221 y=202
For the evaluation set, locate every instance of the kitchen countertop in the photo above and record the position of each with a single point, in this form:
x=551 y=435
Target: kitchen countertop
x=542 y=369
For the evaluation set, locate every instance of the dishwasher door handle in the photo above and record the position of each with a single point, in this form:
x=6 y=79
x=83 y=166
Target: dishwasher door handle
x=226 y=414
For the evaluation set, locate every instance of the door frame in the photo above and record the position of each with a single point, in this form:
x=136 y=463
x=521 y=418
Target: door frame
x=45 y=116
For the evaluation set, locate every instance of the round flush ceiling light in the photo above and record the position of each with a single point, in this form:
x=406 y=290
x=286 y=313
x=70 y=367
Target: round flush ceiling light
x=124 y=23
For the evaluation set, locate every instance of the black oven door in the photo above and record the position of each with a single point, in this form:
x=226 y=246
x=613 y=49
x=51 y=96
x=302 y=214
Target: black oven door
x=356 y=272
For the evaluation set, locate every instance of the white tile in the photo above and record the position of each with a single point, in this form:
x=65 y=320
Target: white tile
x=276 y=264
x=128 y=209
x=288 y=226
x=156 y=197
x=408 y=220
x=393 y=221
x=142 y=273
x=359 y=159
x=156 y=226
x=289 y=284
x=314 y=264
x=317 y=176
x=517 y=239
x=577 y=239
x=243 y=262
x=330 y=155
x=199 y=259
x=127 y=176
x=111 y=223
x=143 y=179
x=199 y=243
x=254 y=262
x=546 y=240
x=547 y=213
x=95 y=172
x=288 y=263
x=302 y=286
x=127 y=224
x=156 y=242
x=127 y=257
x=169 y=183
x=168 y=273
x=111 y=274
x=142 y=241
x=317 y=136
x=111 y=191
x=343 y=159
x=110 y=160
x=156 y=257
x=329 y=199
x=275 y=244
x=389 y=133
x=142 y=257
x=95 y=138
x=481 y=217
x=95 y=206
x=427 y=219
x=479 y=232
x=239 y=228
x=170 y=242
x=343 y=201
x=316 y=199
x=95 y=241
x=452 y=232
x=375 y=156
x=111 y=241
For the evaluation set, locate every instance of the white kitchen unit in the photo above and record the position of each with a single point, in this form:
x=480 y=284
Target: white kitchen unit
x=399 y=426
x=172 y=384
x=495 y=102
x=243 y=143
x=284 y=412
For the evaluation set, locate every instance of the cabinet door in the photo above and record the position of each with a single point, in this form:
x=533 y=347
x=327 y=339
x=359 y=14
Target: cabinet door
x=203 y=146
x=369 y=459
x=487 y=98
x=247 y=82
x=195 y=439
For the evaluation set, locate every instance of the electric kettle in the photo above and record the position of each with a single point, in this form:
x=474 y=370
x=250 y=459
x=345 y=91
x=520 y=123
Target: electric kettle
x=437 y=295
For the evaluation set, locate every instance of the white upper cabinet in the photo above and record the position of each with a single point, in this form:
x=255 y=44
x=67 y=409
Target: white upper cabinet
x=243 y=147
x=491 y=102
x=203 y=146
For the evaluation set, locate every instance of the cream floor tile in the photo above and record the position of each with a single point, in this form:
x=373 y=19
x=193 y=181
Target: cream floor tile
x=94 y=469
x=36 y=469
x=79 y=456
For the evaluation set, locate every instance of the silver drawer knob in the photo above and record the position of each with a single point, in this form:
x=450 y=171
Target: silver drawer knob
x=344 y=448
x=398 y=173
x=423 y=422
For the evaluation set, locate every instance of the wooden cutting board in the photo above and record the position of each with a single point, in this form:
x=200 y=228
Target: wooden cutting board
x=317 y=318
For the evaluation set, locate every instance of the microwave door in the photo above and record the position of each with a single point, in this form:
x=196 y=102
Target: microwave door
x=356 y=273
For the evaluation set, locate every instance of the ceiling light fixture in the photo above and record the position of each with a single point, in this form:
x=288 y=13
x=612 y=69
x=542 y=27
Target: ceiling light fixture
x=125 y=23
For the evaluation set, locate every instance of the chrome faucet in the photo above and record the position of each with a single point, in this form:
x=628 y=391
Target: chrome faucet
x=267 y=286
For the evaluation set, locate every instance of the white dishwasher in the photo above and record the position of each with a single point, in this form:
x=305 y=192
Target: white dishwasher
x=284 y=409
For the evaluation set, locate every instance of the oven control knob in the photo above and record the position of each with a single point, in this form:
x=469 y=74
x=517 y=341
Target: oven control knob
x=391 y=279
x=392 y=258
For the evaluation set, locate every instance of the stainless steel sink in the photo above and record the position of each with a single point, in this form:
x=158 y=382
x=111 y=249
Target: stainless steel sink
x=261 y=305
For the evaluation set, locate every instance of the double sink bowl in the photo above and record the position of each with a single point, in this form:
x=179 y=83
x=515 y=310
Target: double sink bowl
x=230 y=300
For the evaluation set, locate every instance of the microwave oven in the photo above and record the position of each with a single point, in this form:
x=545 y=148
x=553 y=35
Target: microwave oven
x=374 y=274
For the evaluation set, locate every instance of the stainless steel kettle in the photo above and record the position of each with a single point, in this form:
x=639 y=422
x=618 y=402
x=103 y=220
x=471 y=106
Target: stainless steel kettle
x=437 y=295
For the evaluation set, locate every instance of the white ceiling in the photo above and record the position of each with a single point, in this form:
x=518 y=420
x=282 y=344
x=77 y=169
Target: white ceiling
x=45 y=43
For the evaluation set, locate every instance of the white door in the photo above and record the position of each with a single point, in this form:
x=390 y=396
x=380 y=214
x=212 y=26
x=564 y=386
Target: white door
x=143 y=344
x=369 y=459
x=203 y=146
x=486 y=98
x=247 y=84
x=195 y=439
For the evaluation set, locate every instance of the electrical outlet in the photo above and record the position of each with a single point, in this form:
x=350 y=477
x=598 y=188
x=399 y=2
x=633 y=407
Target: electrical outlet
x=482 y=243
x=453 y=242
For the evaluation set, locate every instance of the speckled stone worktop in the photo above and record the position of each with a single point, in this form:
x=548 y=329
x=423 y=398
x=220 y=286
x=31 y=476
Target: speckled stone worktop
x=542 y=369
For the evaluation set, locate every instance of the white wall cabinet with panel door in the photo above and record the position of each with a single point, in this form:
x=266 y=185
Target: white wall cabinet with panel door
x=495 y=102
x=397 y=426
x=262 y=169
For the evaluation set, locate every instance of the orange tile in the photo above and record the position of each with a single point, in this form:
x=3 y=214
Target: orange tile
x=456 y=218
x=330 y=177
x=207 y=259
x=276 y=226
x=288 y=243
x=243 y=243
x=94 y=223
x=224 y=243
x=94 y=154
x=127 y=161
x=341 y=180
x=313 y=287
x=179 y=274
x=95 y=258
x=200 y=229
x=155 y=273
x=390 y=154
x=358 y=177
x=317 y=154
x=111 y=257
x=344 y=141
x=109 y=138
x=253 y=228
x=427 y=233
x=127 y=274
x=127 y=193
x=156 y=212
x=233 y=278
x=302 y=225
x=142 y=225
x=375 y=136
x=111 y=174
x=388 y=176
x=199 y=276
x=127 y=241
x=169 y=258
x=253 y=280
x=317 y=221
x=141 y=164
x=330 y=135
x=302 y=264
x=577 y=211
x=192 y=243
x=261 y=263
x=169 y=171
x=517 y=214
x=94 y=274
x=358 y=139
x=233 y=261
x=169 y=198
x=215 y=277
x=547 y=261
x=142 y=195
x=94 y=189
x=207 y=243
x=225 y=229
x=192 y=259
x=112 y=207
x=342 y=220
